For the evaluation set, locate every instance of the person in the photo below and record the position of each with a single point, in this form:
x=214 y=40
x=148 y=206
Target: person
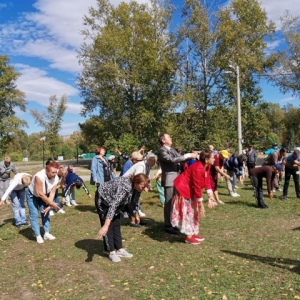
x=143 y=167
x=6 y=168
x=234 y=167
x=276 y=157
x=40 y=195
x=251 y=158
x=73 y=180
x=16 y=191
x=160 y=189
x=100 y=168
x=169 y=161
x=135 y=157
x=273 y=148
x=216 y=169
x=111 y=198
x=292 y=164
x=188 y=200
x=257 y=175
x=112 y=163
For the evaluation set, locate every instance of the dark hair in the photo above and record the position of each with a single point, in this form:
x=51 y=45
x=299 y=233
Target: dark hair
x=205 y=155
x=282 y=150
x=161 y=137
x=52 y=164
x=78 y=183
x=241 y=158
x=139 y=178
x=98 y=150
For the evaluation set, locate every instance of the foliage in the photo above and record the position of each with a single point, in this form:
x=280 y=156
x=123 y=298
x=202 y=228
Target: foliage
x=286 y=73
x=11 y=99
x=128 y=69
x=51 y=121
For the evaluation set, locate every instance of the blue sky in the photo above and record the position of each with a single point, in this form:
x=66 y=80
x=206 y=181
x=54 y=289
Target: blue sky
x=41 y=38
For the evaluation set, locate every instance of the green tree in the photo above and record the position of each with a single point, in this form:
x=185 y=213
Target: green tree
x=11 y=99
x=51 y=122
x=128 y=69
x=286 y=73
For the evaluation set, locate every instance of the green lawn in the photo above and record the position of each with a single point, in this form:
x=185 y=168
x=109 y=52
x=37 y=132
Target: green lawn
x=248 y=253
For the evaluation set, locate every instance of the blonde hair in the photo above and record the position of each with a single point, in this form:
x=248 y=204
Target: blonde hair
x=136 y=155
x=26 y=180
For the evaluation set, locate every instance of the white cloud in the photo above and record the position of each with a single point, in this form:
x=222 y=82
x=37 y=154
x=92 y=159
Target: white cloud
x=38 y=87
x=287 y=100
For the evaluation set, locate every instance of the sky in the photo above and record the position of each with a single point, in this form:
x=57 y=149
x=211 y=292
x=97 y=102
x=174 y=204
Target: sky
x=42 y=37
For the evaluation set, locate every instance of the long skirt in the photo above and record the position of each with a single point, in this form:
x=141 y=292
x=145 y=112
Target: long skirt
x=185 y=215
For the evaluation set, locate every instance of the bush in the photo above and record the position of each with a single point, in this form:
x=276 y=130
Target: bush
x=15 y=156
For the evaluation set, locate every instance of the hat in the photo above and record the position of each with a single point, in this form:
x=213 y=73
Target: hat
x=111 y=157
x=224 y=153
x=278 y=167
x=274 y=145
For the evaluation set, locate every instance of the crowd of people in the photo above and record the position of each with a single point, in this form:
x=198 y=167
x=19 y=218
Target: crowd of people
x=180 y=180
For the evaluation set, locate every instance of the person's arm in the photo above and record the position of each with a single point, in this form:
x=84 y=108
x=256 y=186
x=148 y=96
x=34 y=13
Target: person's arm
x=86 y=190
x=221 y=172
x=94 y=170
x=14 y=170
x=12 y=184
x=103 y=230
x=165 y=155
x=40 y=193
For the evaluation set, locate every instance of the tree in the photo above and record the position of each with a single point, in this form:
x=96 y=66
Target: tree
x=51 y=121
x=211 y=41
x=129 y=69
x=286 y=73
x=11 y=98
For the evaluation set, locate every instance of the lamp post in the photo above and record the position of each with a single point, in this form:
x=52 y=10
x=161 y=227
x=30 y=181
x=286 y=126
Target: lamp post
x=43 y=139
x=77 y=151
x=239 y=113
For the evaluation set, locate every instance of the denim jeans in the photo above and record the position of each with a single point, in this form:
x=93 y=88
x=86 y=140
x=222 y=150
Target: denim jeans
x=18 y=207
x=36 y=205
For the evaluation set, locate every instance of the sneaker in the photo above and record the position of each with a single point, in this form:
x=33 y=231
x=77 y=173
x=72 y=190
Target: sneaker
x=284 y=198
x=39 y=239
x=68 y=204
x=26 y=224
x=234 y=195
x=192 y=240
x=125 y=215
x=61 y=211
x=142 y=214
x=51 y=212
x=220 y=202
x=114 y=257
x=274 y=190
x=124 y=253
x=49 y=236
x=237 y=195
x=199 y=237
x=73 y=202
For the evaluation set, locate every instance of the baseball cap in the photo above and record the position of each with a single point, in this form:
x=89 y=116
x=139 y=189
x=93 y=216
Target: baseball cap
x=278 y=167
x=274 y=144
x=224 y=153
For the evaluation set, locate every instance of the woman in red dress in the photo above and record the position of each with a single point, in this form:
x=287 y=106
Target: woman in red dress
x=187 y=202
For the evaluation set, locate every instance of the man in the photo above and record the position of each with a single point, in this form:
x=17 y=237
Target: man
x=272 y=149
x=169 y=161
x=141 y=167
x=257 y=175
x=6 y=167
x=251 y=158
x=277 y=157
x=291 y=169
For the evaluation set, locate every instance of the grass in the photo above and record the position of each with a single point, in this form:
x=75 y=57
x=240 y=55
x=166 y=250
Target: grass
x=248 y=253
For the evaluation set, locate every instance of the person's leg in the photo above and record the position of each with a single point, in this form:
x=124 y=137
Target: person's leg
x=32 y=203
x=254 y=182
x=261 y=202
x=16 y=208
x=230 y=183
x=45 y=217
x=286 y=182
x=296 y=182
x=168 y=207
x=116 y=229
x=22 y=211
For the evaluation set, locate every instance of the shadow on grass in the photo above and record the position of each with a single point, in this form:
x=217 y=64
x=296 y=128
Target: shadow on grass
x=282 y=263
x=297 y=228
x=92 y=247
x=235 y=202
x=84 y=208
x=6 y=221
x=28 y=233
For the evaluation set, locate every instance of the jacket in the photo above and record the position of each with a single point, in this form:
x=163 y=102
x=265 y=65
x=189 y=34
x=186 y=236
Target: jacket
x=97 y=170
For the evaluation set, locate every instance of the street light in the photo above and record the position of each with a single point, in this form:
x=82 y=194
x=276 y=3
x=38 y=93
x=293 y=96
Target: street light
x=43 y=139
x=239 y=114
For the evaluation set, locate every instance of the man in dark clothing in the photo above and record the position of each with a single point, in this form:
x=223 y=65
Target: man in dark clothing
x=251 y=158
x=257 y=175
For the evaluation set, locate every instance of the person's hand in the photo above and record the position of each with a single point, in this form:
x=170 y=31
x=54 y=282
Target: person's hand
x=194 y=154
x=146 y=189
x=271 y=195
x=90 y=196
x=212 y=202
x=137 y=219
x=103 y=231
x=55 y=206
x=46 y=210
x=1 y=202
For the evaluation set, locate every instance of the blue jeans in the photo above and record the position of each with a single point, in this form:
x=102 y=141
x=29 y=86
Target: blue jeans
x=18 y=206
x=36 y=205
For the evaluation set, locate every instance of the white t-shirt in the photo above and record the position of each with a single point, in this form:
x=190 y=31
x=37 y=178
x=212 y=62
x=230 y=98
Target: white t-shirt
x=14 y=184
x=47 y=183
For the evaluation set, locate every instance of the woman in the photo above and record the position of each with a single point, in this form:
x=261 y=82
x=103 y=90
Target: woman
x=187 y=202
x=111 y=198
x=100 y=168
x=40 y=198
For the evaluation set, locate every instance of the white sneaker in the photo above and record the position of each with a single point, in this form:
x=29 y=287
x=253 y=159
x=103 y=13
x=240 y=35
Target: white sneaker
x=49 y=236
x=142 y=214
x=234 y=195
x=73 y=202
x=68 y=204
x=125 y=215
x=220 y=202
x=237 y=195
x=61 y=211
x=39 y=239
x=51 y=212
